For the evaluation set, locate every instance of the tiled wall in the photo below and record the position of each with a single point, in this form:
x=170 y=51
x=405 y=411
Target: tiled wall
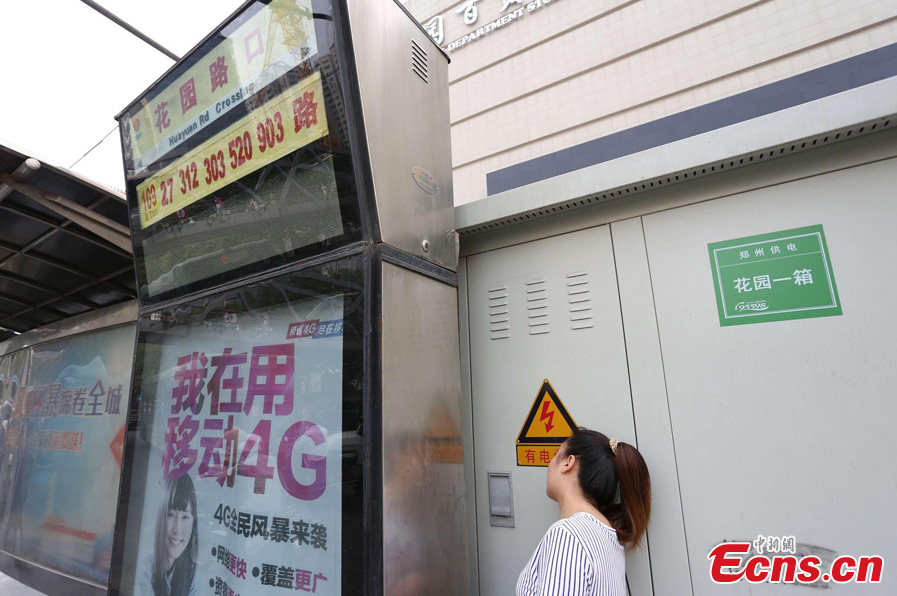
x=577 y=70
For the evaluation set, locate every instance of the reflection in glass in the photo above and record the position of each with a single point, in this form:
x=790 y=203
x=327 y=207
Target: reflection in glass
x=238 y=160
x=62 y=418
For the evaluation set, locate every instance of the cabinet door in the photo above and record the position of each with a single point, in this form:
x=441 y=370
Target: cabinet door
x=784 y=427
x=542 y=310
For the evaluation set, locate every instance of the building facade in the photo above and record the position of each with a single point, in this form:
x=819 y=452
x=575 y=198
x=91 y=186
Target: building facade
x=607 y=156
x=531 y=79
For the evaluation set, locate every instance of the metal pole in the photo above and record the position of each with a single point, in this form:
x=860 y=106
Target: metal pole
x=131 y=29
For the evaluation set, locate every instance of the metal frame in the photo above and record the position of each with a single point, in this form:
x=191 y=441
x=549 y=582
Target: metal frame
x=372 y=565
x=405 y=317
x=364 y=178
x=111 y=316
x=403 y=259
x=373 y=412
x=391 y=191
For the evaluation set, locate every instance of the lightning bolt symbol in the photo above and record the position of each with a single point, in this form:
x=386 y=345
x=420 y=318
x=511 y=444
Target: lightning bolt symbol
x=548 y=415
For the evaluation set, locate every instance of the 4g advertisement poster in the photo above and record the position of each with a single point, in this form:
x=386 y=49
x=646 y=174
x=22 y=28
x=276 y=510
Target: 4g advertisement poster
x=236 y=482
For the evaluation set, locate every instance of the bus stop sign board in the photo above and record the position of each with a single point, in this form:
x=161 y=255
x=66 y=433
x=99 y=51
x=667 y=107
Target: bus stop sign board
x=774 y=277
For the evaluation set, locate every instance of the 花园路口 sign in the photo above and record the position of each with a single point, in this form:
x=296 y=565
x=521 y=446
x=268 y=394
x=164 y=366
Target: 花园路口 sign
x=774 y=277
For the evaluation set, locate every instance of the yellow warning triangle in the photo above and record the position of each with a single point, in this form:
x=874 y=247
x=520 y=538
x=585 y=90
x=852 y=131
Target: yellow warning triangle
x=548 y=420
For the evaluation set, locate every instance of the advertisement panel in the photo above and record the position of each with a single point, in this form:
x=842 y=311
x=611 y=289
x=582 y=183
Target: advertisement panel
x=237 y=479
x=238 y=159
x=66 y=436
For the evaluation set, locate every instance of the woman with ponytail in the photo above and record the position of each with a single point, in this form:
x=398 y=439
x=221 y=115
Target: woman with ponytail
x=604 y=491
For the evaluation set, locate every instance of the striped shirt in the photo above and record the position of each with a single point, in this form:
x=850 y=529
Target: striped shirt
x=578 y=556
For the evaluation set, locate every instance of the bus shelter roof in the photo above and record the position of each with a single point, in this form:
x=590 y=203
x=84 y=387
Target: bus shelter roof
x=65 y=246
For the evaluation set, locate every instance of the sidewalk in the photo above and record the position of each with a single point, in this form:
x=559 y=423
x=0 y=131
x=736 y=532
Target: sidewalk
x=10 y=587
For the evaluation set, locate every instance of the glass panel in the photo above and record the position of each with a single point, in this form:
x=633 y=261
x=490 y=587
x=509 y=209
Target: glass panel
x=60 y=458
x=239 y=160
x=245 y=472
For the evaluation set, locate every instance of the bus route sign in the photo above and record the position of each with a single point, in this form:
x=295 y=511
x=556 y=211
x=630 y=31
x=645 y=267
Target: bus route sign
x=774 y=277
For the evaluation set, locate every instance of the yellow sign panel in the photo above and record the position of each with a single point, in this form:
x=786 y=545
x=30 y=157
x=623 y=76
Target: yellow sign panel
x=535 y=455
x=293 y=120
x=271 y=42
x=547 y=425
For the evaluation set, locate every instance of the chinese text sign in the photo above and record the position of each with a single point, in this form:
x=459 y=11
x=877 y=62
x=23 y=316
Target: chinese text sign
x=774 y=277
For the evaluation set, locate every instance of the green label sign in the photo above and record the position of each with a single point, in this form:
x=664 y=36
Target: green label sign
x=774 y=277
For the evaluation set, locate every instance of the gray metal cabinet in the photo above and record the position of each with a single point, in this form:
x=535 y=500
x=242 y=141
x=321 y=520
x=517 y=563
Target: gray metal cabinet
x=543 y=310
x=777 y=428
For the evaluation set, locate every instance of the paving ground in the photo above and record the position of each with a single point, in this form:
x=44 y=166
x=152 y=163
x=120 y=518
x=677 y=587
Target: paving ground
x=10 y=587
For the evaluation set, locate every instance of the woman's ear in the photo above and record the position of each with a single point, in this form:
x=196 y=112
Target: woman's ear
x=569 y=464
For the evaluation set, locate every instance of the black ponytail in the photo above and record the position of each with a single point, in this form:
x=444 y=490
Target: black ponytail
x=618 y=485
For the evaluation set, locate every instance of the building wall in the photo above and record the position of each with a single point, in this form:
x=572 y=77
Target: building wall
x=577 y=70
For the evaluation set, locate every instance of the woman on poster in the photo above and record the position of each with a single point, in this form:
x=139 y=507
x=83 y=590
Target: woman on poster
x=171 y=570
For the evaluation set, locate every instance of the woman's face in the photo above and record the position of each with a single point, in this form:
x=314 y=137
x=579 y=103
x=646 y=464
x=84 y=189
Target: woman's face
x=552 y=488
x=179 y=528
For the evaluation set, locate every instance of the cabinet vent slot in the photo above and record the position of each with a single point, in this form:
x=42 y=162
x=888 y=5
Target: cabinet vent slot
x=419 y=62
x=537 y=306
x=580 y=298
x=499 y=313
